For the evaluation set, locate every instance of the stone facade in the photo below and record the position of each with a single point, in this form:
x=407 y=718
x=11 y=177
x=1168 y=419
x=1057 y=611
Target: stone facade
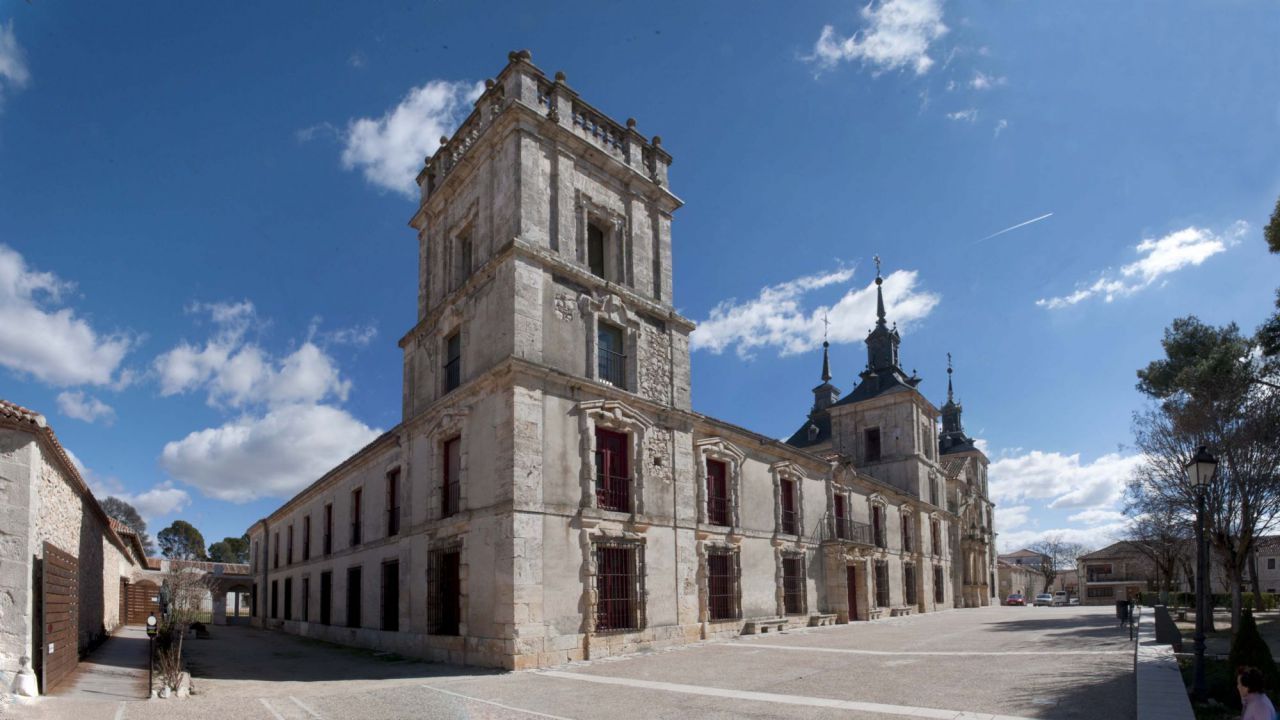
x=550 y=495
x=44 y=499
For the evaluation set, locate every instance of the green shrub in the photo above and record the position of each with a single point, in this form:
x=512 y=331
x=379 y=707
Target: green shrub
x=1248 y=648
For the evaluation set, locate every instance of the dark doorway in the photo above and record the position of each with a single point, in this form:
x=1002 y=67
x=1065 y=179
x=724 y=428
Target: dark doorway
x=391 y=595
x=353 y=597
x=326 y=596
x=851 y=577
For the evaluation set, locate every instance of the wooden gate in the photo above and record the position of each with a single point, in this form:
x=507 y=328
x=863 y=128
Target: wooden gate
x=142 y=600
x=59 y=616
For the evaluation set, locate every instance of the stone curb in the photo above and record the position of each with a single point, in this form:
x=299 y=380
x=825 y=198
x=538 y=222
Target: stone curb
x=1160 y=692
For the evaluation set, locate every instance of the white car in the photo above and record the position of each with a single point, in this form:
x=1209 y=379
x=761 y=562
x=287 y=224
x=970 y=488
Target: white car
x=1044 y=599
x=1060 y=597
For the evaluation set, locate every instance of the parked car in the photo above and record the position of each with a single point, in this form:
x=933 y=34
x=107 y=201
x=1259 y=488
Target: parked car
x=1015 y=599
x=1044 y=599
x=1060 y=597
x=1075 y=601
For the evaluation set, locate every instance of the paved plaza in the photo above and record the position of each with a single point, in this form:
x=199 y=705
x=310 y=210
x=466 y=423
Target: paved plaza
x=1060 y=663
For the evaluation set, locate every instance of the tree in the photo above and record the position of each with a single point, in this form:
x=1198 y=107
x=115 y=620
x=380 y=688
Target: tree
x=1207 y=393
x=230 y=550
x=128 y=515
x=1160 y=531
x=181 y=541
x=1058 y=555
x=1272 y=231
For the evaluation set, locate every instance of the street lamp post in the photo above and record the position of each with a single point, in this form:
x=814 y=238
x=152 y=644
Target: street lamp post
x=151 y=652
x=1201 y=469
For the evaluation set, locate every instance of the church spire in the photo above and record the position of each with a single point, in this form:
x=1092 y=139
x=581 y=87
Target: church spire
x=879 y=294
x=882 y=342
x=953 y=438
x=950 y=395
x=826 y=361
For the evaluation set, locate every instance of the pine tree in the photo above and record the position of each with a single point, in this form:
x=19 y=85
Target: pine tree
x=1249 y=649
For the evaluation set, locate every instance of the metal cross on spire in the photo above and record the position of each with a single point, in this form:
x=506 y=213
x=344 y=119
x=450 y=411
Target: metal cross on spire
x=826 y=362
x=876 y=258
x=826 y=325
x=950 y=394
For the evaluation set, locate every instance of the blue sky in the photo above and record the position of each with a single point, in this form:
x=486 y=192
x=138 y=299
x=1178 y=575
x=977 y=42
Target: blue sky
x=205 y=264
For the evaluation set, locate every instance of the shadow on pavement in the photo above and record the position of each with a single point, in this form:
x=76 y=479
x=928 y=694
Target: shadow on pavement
x=1109 y=697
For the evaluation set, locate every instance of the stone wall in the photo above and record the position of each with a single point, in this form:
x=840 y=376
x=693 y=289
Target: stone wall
x=18 y=463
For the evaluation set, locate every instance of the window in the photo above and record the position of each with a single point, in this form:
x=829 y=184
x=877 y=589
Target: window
x=871 y=438
x=612 y=360
x=613 y=472
x=449 y=486
x=462 y=260
x=353 y=597
x=275 y=599
x=1271 y=563
x=446 y=593
x=288 y=598
x=909 y=582
x=595 y=250
x=326 y=597
x=356 y=514
x=288 y=558
x=793 y=585
x=306 y=538
x=306 y=600
x=843 y=531
x=877 y=525
x=1101 y=592
x=253 y=557
x=275 y=549
x=717 y=493
x=722 y=585
x=906 y=534
x=936 y=531
x=1095 y=573
x=393 y=503
x=328 y=529
x=618 y=587
x=453 y=361
x=882 y=583
x=391 y=595
x=789 y=515
x=939 y=585
x=253 y=601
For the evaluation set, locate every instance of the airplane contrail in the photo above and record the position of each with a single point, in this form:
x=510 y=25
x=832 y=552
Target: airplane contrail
x=1015 y=227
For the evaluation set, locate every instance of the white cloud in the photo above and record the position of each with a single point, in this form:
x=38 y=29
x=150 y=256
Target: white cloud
x=982 y=81
x=357 y=60
x=1092 y=538
x=161 y=500
x=14 y=74
x=48 y=342
x=897 y=34
x=270 y=456
x=84 y=407
x=776 y=317
x=1061 y=480
x=969 y=115
x=1096 y=516
x=1001 y=126
x=319 y=130
x=1011 y=518
x=389 y=150
x=237 y=373
x=1187 y=247
x=356 y=335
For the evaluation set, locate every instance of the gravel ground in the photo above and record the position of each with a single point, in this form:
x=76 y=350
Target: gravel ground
x=1057 y=663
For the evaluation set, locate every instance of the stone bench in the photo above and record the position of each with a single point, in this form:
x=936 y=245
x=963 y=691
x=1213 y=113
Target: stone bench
x=899 y=611
x=764 y=625
x=875 y=614
x=821 y=620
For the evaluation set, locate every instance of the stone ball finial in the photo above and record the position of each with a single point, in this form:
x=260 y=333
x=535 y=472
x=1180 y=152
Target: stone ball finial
x=444 y=139
x=657 y=140
x=513 y=56
x=488 y=83
x=631 y=123
x=525 y=55
x=560 y=76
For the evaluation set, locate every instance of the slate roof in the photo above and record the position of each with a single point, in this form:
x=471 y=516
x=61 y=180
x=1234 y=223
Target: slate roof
x=800 y=438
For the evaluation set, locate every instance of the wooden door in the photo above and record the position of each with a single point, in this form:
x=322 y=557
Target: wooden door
x=851 y=577
x=59 y=617
x=143 y=599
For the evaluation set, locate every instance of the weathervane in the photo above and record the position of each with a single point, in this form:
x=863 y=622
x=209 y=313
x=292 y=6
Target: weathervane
x=826 y=325
x=876 y=258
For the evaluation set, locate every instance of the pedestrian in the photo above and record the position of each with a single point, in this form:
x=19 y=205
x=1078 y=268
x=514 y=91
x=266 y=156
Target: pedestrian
x=1256 y=704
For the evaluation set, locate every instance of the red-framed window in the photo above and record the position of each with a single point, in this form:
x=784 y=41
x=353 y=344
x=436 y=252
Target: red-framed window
x=450 y=488
x=789 y=515
x=619 y=587
x=841 y=513
x=613 y=471
x=882 y=583
x=717 y=493
x=936 y=530
x=722 y=585
x=909 y=583
x=793 y=585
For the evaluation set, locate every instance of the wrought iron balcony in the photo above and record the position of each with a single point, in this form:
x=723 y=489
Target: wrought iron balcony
x=613 y=492
x=846 y=530
x=612 y=368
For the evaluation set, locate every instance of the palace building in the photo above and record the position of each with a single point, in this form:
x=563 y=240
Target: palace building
x=549 y=494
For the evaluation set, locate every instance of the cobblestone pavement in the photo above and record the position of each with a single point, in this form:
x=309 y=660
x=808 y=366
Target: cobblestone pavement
x=1057 y=663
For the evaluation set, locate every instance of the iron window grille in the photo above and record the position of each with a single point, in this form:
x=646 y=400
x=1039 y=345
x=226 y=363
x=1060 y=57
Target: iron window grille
x=882 y=583
x=909 y=582
x=717 y=493
x=288 y=557
x=939 y=588
x=793 y=585
x=451 y=488
x=453 y=362
x=353 y=597
x=613 y=471
x=356 y=514
x=275 y=599
x=619 y=587
x=306 y=538
x=275 y=550
x=789 y=516
x=877 y=526
x=906 y=534
x=611 y=365
x=937 y=537
x=722 y=585
x=393 y=503
x=446 y=592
